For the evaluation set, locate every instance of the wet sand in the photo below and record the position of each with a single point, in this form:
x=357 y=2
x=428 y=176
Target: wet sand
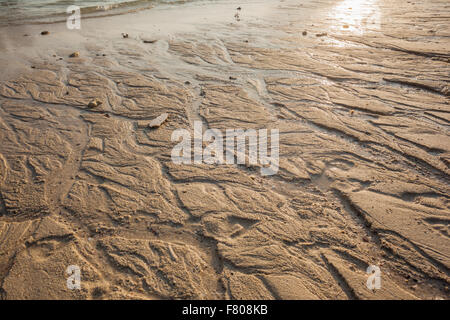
x=359 y=91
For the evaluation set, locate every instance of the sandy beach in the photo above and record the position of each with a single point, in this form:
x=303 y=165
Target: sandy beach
x=358 y=89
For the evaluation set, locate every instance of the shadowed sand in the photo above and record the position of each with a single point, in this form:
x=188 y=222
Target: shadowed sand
x=358 y=89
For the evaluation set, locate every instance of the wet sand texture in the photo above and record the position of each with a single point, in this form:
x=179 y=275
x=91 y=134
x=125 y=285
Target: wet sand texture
x=363 y=113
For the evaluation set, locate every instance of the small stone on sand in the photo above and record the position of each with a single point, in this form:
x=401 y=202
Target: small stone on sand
x=150 y=41
x=157 y=122
x=304 y=33
x=94 y=103
x=44 y=33
x=75 y=55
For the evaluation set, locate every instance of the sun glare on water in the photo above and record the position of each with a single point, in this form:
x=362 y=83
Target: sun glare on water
x=357 y=16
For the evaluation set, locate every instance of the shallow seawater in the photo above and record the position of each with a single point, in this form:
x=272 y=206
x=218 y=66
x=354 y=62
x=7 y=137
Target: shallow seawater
x=13 y=12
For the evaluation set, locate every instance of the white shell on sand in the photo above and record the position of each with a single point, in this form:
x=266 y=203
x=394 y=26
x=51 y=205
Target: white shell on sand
x=155 y=123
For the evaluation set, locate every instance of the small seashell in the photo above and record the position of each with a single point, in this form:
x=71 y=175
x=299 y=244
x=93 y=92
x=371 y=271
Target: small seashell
x=155 y=123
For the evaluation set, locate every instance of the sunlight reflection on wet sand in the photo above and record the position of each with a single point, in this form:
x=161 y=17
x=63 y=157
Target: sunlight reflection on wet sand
x=357 y=16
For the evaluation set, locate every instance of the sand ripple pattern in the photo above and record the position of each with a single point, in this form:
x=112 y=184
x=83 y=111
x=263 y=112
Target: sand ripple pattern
x=364 y=167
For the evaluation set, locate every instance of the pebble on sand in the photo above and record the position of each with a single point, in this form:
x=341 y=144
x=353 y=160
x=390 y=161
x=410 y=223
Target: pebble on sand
x=75 y=55
x=304 y=33
x=125 y=35
x=155 y=123
x=44 y=33
x=94 y=103
x=150 y=41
